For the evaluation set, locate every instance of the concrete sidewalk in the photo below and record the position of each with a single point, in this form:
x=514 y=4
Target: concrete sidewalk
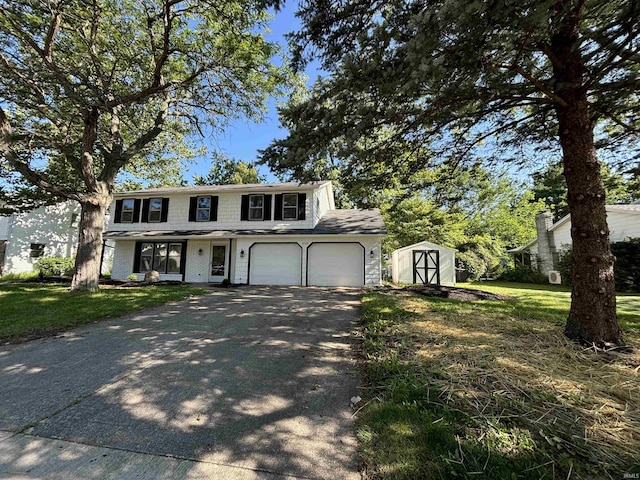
x=240 y=383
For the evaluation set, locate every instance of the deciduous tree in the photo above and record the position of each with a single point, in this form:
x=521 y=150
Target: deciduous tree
x=86 y=87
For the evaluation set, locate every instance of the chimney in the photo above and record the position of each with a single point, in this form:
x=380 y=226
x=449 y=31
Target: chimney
x=546 y=246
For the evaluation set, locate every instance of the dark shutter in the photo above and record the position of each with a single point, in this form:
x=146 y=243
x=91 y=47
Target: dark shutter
x=183 y=259
x=165 y=210
x=145 y=210
x=277 y=213
x=193 y=206
x=244 y=208
x=118 y=213
x=266 y=213
x=136 y=211
x=136 y=257
x=302 y=200
x=213 y=213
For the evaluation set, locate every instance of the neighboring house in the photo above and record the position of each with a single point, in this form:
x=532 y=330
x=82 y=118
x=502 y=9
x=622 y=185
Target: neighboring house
x=554 y=238
x=50 y=231
x=424 y=262
x=259 y=234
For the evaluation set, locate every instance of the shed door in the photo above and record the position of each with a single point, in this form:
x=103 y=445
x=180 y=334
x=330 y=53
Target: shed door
x=336 y=264
x=275 y=264
x=426 y=267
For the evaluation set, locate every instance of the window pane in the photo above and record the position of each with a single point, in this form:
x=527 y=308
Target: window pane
x=202 y=215
x=146 y=257
x=255 y=201
x=204 y=202
x=127 y=211
x=290 y=200
x=175 y=256
x=145 y=264
x=155 y=204
x=255 y=214
x=154 y=216
x=160 y=259
x=217 y=261
x=290 y=213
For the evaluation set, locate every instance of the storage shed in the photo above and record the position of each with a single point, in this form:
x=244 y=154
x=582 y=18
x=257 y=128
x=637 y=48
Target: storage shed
x=424 y=263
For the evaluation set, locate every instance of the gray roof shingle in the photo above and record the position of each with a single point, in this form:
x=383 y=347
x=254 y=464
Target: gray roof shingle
x=333 y=222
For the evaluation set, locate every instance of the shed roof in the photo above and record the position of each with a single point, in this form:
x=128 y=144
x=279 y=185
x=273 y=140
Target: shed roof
x=424 y=243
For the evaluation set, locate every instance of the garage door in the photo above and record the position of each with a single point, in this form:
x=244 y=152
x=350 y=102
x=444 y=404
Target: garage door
x=336 y=264
x=275 y=264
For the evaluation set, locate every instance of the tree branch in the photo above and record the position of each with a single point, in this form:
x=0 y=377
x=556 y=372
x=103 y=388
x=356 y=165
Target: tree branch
x=23 y=168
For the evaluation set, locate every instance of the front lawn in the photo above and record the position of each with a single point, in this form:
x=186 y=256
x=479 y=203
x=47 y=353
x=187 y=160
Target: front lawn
x=29 y=309
x=493 y=389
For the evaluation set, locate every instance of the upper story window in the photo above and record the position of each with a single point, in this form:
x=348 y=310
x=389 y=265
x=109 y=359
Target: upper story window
x=127 y=210
x=36 y=250
x=203 y=209
x=155 y=210
x=256 y=207
x=290 y=206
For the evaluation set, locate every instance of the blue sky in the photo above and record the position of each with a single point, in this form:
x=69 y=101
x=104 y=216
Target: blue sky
x=243 y=138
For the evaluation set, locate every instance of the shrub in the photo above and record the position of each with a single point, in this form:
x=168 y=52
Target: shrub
x=523 y=274
x=626 y=269
x=133 y=277
x=55 y=266
x=565 y=266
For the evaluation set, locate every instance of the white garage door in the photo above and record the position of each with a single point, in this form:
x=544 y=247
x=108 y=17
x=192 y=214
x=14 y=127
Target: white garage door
x=275 y=264
x=336 y=264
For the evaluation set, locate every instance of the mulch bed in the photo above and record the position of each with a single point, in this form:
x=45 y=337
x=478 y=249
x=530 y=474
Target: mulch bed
x=451 y=293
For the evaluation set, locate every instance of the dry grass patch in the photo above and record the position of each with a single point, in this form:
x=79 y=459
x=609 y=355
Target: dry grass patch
x=520 y=400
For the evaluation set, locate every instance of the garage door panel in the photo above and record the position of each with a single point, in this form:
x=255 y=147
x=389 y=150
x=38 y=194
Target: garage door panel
x=336 y=264
x=275 y=264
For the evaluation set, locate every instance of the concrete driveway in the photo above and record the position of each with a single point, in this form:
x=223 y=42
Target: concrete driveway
x=240 y=383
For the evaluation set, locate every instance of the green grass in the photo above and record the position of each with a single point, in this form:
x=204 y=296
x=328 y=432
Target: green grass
x=30 y=309
x=493 y=390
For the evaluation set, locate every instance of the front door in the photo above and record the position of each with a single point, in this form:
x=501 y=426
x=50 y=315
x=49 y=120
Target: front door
x=218 y=270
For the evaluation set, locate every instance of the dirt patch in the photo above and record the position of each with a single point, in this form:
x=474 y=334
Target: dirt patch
x=452 y=293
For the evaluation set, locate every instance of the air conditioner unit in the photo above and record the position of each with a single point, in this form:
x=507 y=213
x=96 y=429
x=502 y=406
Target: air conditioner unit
x=554 y=277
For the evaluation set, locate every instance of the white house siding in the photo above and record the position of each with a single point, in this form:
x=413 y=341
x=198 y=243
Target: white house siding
x=621 y=227
x=51 y=226
x=229 y=206
x=123 y=259
x=321 y=203
x=402 y=263
x=562 y=236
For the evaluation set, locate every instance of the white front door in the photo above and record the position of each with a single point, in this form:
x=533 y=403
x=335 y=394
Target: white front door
x=218 y=267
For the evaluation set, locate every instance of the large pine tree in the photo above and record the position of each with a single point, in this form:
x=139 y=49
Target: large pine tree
x=456 y=74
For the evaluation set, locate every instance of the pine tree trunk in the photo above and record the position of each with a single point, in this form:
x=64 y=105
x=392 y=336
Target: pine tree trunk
x=88 y=257
x=592 y=317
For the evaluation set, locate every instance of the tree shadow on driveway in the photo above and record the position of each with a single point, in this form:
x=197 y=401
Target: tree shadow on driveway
x=255 y=378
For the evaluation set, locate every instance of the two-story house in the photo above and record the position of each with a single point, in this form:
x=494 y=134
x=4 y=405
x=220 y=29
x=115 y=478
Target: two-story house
x=258 y=234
